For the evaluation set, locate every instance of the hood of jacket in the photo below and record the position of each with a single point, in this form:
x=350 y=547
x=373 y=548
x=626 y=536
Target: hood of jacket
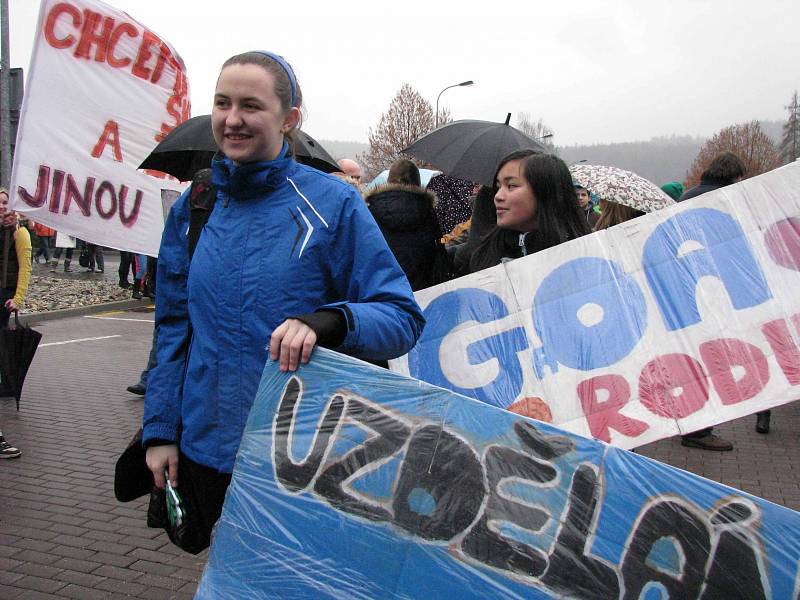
x=400 y=207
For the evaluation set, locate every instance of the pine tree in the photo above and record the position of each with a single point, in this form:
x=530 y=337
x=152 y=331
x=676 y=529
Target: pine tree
x=790 y=144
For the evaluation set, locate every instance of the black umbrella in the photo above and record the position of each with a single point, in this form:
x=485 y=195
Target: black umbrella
x=470 y=149
x=308 y=151
x=191 y=146
x=17 y=347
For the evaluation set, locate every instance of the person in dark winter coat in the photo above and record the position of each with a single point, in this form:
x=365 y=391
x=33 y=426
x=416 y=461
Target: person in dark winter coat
x=724 y=169
x=405 y=214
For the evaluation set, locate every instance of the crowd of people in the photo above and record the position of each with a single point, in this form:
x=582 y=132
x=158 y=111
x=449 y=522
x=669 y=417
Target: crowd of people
x=136 y=271
x=533 y=205
x=339 y=268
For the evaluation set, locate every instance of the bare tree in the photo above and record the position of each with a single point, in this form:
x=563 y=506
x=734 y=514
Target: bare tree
x=790 y=144
x=747 y=140
x=410 y=116
x=535 y=129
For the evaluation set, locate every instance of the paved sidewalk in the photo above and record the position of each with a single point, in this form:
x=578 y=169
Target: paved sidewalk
x=63 y=535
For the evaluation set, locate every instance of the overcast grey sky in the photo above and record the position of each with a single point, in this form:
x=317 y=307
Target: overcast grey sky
x=595 y=71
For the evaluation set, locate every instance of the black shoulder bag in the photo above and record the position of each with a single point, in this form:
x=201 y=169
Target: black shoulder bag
x=132 y=478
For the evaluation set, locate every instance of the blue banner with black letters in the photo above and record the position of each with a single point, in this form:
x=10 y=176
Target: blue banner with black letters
x=355 y=482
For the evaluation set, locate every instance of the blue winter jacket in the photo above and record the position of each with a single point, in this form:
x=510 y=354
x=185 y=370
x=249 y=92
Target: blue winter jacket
x=283 y=240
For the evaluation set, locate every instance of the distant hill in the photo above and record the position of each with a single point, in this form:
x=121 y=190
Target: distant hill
x=660 y=159
x=340 y=149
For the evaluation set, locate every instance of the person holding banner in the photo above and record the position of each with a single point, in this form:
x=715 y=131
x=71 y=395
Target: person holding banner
x=724 y=169
x=536 y=207
x=16 y=268
x=289 y=258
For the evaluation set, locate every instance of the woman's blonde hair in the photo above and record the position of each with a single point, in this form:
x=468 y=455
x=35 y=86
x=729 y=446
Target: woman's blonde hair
x=10 y=215
x=614 y=213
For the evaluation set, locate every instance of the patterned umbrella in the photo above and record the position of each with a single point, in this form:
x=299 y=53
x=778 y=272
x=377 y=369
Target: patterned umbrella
x=453 y=200
x=623 y=187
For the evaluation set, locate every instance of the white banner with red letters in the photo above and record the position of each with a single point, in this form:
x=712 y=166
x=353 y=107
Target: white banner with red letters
x=102 y=91
x=680 y=319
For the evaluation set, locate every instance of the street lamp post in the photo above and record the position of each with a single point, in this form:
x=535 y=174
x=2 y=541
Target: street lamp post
x=5 y=118
x=462 y=84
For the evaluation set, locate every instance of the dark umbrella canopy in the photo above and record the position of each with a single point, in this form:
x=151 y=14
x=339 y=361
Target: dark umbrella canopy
x=470 y=149
x=191 y=146
x=17 y=347
x=308 y=151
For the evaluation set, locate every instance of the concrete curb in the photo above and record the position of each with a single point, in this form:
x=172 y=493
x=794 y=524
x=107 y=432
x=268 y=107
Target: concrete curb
x=81 y=311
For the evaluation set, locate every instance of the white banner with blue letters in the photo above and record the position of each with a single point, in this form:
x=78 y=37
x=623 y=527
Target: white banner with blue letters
x=681 y=319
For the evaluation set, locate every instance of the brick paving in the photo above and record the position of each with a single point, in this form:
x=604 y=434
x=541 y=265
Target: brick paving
x=63 y=535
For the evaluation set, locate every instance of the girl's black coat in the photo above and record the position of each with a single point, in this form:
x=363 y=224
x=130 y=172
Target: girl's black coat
x=407 y=220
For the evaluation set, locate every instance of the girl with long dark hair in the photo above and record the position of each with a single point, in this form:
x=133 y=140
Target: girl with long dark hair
x=536 y=208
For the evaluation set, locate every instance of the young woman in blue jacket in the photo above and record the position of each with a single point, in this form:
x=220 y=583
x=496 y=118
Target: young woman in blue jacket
x=289 y=258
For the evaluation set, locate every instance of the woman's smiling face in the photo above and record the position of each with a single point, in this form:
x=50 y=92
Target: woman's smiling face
x=7 y=217
x=248 y=120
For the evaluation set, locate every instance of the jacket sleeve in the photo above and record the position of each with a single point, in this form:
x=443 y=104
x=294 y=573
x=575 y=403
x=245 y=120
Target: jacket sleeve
x=22 y=246
x=162 y=403
x=383 y=318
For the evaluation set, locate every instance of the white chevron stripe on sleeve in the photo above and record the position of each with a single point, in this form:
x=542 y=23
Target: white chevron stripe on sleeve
x=309 y=231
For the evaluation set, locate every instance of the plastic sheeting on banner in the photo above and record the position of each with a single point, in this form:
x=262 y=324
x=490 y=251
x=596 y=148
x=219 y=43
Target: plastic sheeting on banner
x=355 y=482
x=662 y=325
x=102 y=91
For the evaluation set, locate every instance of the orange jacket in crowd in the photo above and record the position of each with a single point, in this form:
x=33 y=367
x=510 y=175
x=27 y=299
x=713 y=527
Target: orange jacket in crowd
x=43 y=230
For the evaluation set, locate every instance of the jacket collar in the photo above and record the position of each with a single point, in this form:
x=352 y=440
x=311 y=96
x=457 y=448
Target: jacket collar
x=413 y=190
x=250 y=180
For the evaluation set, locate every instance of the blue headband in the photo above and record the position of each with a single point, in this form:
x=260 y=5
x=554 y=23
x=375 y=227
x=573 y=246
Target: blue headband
x=286 y=69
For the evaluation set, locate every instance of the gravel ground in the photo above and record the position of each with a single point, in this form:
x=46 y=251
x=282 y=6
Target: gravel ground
x=46 y=293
